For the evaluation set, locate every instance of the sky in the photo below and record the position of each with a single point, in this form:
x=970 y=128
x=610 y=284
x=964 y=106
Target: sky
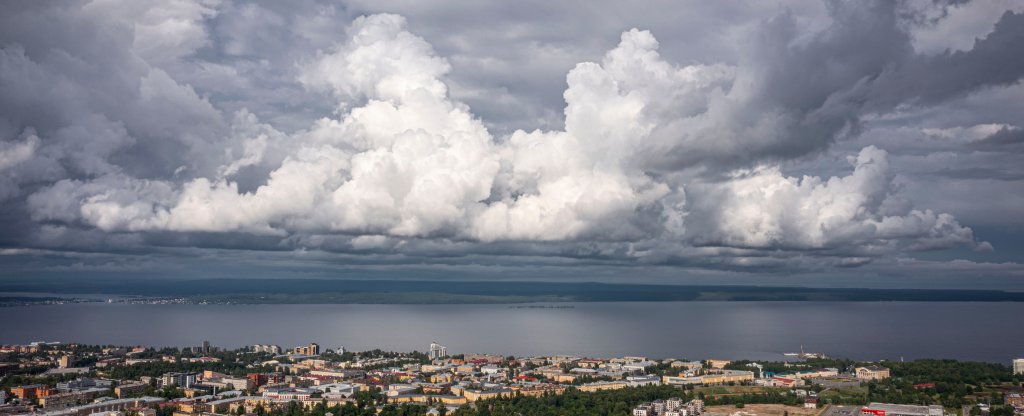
x=819 y=143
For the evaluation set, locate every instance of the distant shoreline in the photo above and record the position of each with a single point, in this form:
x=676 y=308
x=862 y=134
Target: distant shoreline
x=514 y=301
x=318 y=291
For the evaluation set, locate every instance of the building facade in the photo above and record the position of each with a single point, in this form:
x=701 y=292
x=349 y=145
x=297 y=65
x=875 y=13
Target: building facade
x=311 y=349
x=889 y=409
x=872 y=372
x=437 y=351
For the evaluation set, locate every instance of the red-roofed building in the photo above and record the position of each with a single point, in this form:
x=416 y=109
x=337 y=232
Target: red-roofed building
x=783 y=382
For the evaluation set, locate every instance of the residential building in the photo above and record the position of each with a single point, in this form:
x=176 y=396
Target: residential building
x=273 y=349
x=65 y=400
x=638 y=366
x=289 y=393
x=643 y=410
x=484 y=358
x=635 y=381
x=129 y=389
x=261 y=379
x=729 y=376
x=720 y=377
x=811 y=403
x=31 y=391
x=670 y=407
x=237 y=383
x=474 y=395
x=687 y=365
x=182 y=380
x=539 y=389
x=602 y=385
x=311 y=349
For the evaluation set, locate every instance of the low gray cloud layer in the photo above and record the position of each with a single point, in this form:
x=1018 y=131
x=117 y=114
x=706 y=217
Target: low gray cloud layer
x=805 y=138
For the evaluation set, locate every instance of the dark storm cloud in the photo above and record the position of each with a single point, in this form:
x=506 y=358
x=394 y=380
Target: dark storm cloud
x=130 y=131
x=1006 y=138
x=997 y=59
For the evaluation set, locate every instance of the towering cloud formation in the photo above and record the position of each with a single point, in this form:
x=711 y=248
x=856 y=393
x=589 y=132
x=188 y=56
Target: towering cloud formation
x=654 y=158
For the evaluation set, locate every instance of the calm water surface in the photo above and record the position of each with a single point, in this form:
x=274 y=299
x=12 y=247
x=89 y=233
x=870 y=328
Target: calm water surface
x=755 y=330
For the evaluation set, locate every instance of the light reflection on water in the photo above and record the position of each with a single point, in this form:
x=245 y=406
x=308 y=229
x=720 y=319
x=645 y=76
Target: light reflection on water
x=696 y=330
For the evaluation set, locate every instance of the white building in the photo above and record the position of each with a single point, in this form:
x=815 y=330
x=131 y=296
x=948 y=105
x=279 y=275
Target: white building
x=643 y=410
x=638 y=366
x=273 y=349
x=437 y=351
x=643 y=381
x=182 y=380
x=889 y=409
x=1018 y=366
x=670 y=407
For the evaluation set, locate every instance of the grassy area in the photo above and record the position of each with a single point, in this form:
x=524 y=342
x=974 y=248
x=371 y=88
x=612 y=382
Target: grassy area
x=730 y=390
x=837 y=395
x=763 y=410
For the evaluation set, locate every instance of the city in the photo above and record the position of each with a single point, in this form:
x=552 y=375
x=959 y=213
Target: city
x=57 y=379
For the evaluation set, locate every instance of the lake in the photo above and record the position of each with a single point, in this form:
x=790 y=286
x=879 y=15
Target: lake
x=695 y=330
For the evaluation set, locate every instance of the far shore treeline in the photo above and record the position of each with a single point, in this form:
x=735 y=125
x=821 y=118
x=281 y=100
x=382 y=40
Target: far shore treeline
x=309 y=291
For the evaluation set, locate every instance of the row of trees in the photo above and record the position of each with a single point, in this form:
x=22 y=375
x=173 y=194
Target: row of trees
x=574 y=403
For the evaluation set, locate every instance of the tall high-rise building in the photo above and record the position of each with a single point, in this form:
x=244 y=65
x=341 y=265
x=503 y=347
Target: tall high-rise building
x=311 y=349
x=182 y=380
x=273 y=349
x=1018 y=366
x=437 y=351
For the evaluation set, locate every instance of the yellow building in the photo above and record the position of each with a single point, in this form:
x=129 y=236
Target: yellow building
x=311 y=349
x=564 y=378
x=727 y=376
x=441 y=378
x=429 y=399
x=872 y=372
x=720 y=377
x=681 y=380
x=539 y=390
x=474 y=395
x=719 y=364
x=602 y=385
x=687 y=365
